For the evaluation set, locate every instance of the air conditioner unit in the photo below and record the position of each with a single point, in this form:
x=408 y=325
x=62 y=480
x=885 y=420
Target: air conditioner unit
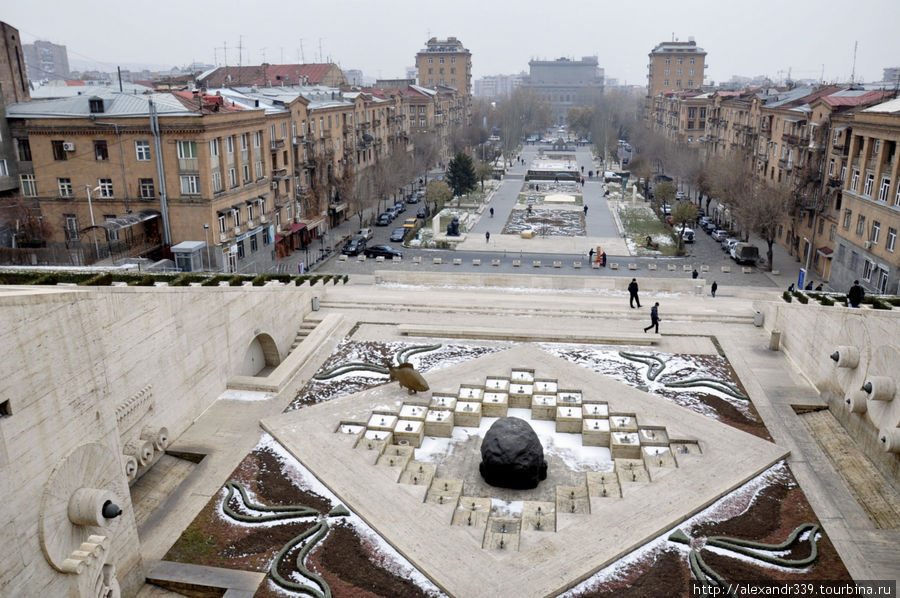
x=867 y=244
x=237 y=230
x=222 y=236
x=274 y=184
x=262 y=218
x=68 y=146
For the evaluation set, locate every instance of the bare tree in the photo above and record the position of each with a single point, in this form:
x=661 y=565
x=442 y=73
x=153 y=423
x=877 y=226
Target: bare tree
x=426 y=149
x=24 y=220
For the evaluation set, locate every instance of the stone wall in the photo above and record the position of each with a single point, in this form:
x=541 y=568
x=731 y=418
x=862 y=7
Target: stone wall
x=105 y=366
x=811 y=333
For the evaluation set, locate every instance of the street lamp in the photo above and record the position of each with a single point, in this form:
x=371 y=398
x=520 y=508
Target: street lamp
x=93 y=226
x=208 y=261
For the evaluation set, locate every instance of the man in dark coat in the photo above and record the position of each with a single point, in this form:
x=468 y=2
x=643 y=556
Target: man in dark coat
x=654 y=318
x=856 y=294
x=633 y=292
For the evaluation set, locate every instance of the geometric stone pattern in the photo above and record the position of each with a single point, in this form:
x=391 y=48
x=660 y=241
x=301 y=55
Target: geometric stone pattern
x=468 y=560
x=636 y=451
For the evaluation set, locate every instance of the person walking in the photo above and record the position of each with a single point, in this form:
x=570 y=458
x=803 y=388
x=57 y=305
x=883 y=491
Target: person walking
x=585 y=209
x=487 y=236
x=695 y=274
x=713 y=288
x=492 y=212
x=633 y=293
x=654 y=318
x=855 y=295
x=591 y=256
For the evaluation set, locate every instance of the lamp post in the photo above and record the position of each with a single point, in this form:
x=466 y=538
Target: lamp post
x=208 y=261
x=93 y=226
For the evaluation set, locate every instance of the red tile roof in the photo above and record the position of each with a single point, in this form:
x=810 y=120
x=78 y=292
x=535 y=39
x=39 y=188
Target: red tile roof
x=205 y=101
x=269 y=74
x=864 y=98
x=74 y=83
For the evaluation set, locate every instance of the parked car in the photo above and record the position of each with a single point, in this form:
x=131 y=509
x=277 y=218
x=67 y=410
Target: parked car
x=701 y=212
x=409 y=223
x=709 y=226
x=688 y=235
x=365 y=233
x=385 y=251
x=745 y=253
x=666 y=209
x=728 y=243
x=422 y=213
x=412 y=198
x=679 y=195
x=670 y=221
x=720 y=235
x=397 y=234
x=399 y=207
x=354 y=246
x=383 y=219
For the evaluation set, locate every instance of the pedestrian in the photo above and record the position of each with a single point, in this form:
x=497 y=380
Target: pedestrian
x=654 y=318
x=585 y=209
x=603 y=259
x=695 y=274
x=591 y=255
x=582 y=181
x=808 y=286
x=492 y=212
x=791 y=288
x=633 y=293
x=819 y=287
x=713 y=288
x=856 y=294
x=487 y=236
x=301 y=268
x=590 y=174
x=582 y=169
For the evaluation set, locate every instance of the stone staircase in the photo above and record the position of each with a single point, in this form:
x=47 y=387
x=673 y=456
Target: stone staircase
x=306 y=327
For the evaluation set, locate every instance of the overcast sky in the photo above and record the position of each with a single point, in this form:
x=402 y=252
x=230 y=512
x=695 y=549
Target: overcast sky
x=763 y=37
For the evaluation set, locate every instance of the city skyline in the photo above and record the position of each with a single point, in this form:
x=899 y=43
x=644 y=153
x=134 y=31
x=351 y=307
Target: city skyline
x=745 y=41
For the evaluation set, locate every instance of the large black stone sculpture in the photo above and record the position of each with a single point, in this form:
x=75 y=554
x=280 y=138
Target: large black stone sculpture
x=453 y=228
x=512 y=455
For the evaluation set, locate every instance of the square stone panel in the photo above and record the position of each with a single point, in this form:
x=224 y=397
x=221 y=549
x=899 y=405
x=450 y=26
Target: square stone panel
x=546 y=563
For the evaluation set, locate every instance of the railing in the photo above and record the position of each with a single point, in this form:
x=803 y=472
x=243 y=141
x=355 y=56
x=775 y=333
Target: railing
x=790 y=139
x=785 y=164
x=277 y=144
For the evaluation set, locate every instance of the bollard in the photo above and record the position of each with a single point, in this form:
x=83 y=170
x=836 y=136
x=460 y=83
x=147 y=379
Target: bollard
x=315 y=304
x=698 y=289
x=758 y=319
x=378 y=279
x=775 y=340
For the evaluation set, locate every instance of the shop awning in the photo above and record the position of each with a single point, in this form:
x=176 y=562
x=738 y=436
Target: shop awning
x=825 y=251
x=297 y=226
x=278 y=238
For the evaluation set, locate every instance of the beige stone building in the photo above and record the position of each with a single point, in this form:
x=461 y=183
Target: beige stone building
x=447 y=63
x=675 y=66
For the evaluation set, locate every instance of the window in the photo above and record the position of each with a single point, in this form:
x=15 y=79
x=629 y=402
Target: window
x=28 y=185
x=106 y=187
x=678 y=71
x=848 y=215
x=216 y=181
x=190 y=184
x=453 y=59
x=876 y=231
x=4 y=170
x=854 y=181
x=884 y=189
x=229 y=144
x=250 y=212
x=843 y=173
x=877 y=146
x=59 y=152
x=831 y=167
x=23 y=150
x=666 y=83
x=691 y=72
x=680 y=60
x=421 y=122
x=691 y=83
x=236 y=214
x=897 y=197
x=146 y=187
x=840 y=254
x=854 y=259
x=257 y=138
x=214 y=147
x=245 y=141
x=441 y=60
x=891 y=239
x=71 y=226
x=240 y=246
x=692 y=60
x=860 y=225
x=65 y=187
x=668 y=60
x=832 y=232
x=187 y=149
x=666 y=72
x=112 y=232
x=259 y=169
x=232 y=178
x=678 y=83
x=246 y=173
x=821 y=225
x=95 y=105
x=253 y=244
x=870 y=182
x=868 y=267
x=221 y=223
x=430 y=60
x=421 y=109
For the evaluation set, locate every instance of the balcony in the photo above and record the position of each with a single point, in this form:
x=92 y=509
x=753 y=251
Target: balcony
x=785 y=164
x=790 y=139
x=237 y=230
x=263 y=218
x=348 y=129
x=298 y=139
x=188 y=165
x=277 y=144
x=376 y=122
x=223 y=236
x=250 y=224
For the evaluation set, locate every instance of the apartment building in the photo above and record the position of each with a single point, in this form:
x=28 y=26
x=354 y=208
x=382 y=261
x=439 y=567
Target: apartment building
x=13 y=88
x=675 y=66
x=273 y=75
x=46 y=60
x=447 y=63
x=120 y=176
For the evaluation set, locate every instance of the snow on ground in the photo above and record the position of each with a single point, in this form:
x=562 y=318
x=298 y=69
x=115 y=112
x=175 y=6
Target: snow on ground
x=722 y=509
x=245 y=395
x=390 y=559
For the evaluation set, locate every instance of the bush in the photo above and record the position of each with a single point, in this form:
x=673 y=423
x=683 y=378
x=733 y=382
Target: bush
x=895 y=301
x=802 y=298
x=301 y=279
x=103 y=279
x=825 y=300
x=16 y=278
x=146 y=281
x=880 y=304
x=787 y=296
x=215 y=280
x=236 y=280
x=48 y=279
x=326 y=279
x=314 y=279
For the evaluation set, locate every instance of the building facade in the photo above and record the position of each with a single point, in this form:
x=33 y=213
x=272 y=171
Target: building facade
x=565 y=83
x=13 y=88
x=46 y=60
x=447 y=63
x=675 y=66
